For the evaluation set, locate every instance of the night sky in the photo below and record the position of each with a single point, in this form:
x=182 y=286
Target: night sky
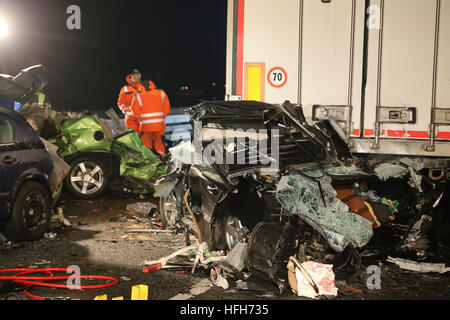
x=175 y=43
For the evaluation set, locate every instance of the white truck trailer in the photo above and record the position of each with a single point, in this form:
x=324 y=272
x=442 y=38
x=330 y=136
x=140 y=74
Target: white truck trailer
x=381 y=68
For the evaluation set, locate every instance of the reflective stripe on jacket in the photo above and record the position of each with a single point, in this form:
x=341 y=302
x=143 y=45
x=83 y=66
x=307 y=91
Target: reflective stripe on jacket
x=125 y=99
x=126 y=95
x=150 y=109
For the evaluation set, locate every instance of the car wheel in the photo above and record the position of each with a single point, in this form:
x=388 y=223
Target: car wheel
x=30 y=216
x=87 y=178
x=233 y=231
x=170 y=214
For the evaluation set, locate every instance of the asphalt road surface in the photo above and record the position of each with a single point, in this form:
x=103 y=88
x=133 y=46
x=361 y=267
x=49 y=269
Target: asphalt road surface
x=98 y=244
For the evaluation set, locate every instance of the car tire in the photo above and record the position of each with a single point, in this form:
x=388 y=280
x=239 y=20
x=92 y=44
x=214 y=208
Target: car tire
x=87 y=178
x=31 y=213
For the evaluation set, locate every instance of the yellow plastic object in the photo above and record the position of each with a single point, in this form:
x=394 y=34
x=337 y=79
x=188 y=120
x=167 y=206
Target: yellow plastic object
x=139 y=292
x=118 y=298
x=103 y=297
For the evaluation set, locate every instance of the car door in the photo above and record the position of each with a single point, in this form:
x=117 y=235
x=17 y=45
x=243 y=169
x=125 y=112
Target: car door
x=10 y=159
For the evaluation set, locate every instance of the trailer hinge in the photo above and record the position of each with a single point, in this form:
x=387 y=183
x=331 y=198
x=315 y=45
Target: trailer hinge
x=390 y=115
x=441 y=117
x=341 y=114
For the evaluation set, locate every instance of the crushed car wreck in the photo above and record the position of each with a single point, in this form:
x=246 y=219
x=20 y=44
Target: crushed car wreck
x=96 y=156
x=229 y=186
x=25 y=167
x=30 y=169
x=235 y=194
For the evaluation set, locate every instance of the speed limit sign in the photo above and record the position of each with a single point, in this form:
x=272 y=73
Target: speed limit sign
x=277 y=77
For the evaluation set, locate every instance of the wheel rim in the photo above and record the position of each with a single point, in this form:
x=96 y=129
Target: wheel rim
x=87 y=178
x=34 y=210
x=235 y=232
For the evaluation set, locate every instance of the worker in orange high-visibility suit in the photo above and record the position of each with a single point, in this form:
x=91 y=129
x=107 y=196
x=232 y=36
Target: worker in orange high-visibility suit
x=150 y=108
x=126 y=97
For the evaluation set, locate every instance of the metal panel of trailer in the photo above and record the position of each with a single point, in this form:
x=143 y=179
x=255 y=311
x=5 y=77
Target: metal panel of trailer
x=379 y=67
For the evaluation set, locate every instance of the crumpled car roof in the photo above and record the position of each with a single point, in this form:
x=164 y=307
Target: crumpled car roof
x=24 y=85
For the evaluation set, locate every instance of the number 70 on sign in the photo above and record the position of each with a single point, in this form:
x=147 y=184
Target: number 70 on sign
x=277 y=77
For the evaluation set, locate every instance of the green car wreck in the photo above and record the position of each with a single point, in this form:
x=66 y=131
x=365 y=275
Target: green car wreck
x=101 y=152
x=99 y=158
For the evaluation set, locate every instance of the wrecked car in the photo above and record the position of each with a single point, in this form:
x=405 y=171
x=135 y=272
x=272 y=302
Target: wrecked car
x=230 y=199
x=25 y=191
x=101 y=152
x=99 y=158
x=31 y=172
x=260 y=174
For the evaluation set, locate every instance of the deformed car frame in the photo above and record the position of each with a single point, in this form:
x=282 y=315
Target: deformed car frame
x=99 y=158
x=25 y=191
x=222 y=202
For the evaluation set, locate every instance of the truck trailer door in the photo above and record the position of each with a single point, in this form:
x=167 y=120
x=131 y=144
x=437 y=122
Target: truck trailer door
x=408 y=74
x=331 y=61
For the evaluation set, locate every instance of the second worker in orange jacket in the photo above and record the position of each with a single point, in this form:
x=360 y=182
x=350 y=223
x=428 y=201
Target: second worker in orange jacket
x=150 y=108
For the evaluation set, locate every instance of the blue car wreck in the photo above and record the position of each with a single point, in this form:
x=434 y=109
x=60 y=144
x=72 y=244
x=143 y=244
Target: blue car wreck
x=25 y=167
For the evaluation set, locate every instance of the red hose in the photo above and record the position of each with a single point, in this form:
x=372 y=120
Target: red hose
x=43 y=281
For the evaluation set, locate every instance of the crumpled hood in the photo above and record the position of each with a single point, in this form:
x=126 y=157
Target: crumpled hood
x=23 y=86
